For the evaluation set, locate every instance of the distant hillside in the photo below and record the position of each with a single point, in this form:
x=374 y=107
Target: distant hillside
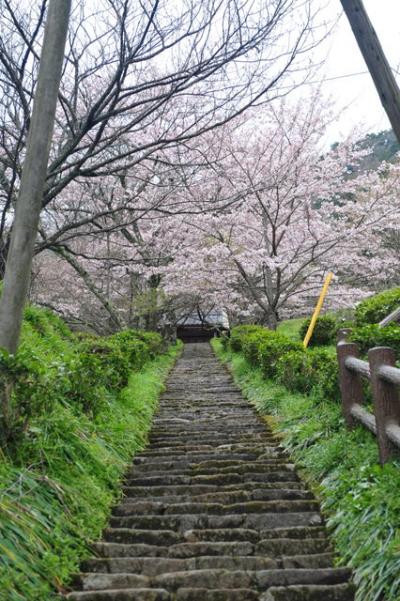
x=384 y=147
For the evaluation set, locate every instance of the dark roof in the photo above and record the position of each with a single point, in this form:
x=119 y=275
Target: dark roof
x=216 y=317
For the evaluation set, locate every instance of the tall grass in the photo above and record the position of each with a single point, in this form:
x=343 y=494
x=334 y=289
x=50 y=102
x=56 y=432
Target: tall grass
x=291 y=327
x=57 y=489
x=359 y=498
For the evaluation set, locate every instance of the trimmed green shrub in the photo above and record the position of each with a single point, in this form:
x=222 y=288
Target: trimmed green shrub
x=225 y=338
x=107 y=361
x=46 y=323
x=294 y=370
x=237 y=334
x=377 y=307
x=153 y=341
x=270 y=351
x=135 y=349
x=360 y=498
x=313 y=371
x=251 y=343
x=281 y=357
x=70 y=429
x=53 y=365
x=324 y=331
x=325 y=375
x=104 y=364
x=372 y=335
x=25 y=380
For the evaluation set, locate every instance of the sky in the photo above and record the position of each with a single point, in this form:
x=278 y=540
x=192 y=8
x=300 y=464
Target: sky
x=341 y=56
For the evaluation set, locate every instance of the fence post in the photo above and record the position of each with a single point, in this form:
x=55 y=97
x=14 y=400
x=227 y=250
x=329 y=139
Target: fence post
x=349 y=381
x=386 y=399
x=342 y=334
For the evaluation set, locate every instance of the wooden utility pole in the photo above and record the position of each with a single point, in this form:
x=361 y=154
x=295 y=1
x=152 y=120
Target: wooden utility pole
x=372 y=51
x=29 y=203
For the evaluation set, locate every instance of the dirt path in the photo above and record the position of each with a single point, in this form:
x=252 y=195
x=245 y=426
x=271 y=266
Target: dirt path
x=214 y=510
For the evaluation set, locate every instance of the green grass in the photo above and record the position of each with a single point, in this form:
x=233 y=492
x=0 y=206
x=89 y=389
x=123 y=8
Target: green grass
x=291 y=328
x=359 y=498
x=58 y=485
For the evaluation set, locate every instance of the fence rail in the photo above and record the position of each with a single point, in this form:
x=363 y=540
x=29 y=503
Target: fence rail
x=384 y=377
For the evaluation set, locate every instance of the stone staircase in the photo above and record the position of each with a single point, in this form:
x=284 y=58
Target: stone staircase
x=213 y=509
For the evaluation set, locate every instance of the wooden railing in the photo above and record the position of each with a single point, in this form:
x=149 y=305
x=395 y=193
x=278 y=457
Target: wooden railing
x=384 y=377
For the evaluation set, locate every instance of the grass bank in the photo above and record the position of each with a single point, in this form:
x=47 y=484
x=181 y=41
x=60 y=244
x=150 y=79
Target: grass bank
x=59 y=483
x=359 y=498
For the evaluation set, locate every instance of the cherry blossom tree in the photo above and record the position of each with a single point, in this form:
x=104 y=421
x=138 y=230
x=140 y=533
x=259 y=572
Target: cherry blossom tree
x=140 y=78
x=253 y=228
x=301 y=213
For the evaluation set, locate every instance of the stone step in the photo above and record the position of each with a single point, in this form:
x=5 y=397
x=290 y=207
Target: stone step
x=272 y=465
x=168 y=537
x=178 y=551
x=148 y=537
x=193 y=450
x=253 y=433
x=211 y=438
x=157 y=508
x=213 y=458
x=259 y=580
x=183 y=463
x=277 y=547
x=183 y=445
x=339 y=592
x=193 y=413
x=153 y=566
x=253 y=536
x=276 y=475
x=201 y=594
x=213 y=509
x=266 y=547
x=226 y=498
x=136 y=594
x=182 y=522
x=225 y=400
x=216 y=458
x=236 y=425
x=199 y=489
x=166 y=424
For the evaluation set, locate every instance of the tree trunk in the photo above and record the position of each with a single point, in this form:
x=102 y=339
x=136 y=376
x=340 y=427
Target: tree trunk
x=371 y=49
x=19 y=260
x=4 y=248
x=272 y=320
x=115 y=321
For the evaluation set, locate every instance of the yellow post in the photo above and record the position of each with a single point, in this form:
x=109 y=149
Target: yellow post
x=317 y=310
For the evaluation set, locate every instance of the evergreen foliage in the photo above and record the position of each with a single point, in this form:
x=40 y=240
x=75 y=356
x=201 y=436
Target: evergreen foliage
x=324 y=331
x=375 y=308
x=372 y=335
x=359 y=497
x=82 y=416
x=286 y=359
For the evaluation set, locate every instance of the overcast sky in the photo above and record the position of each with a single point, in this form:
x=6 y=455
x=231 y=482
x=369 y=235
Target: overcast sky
x=344 y=57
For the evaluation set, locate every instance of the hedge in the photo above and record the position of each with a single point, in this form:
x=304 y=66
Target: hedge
x=375 y=308
x=73 y=429
x=54 y=365
x=279 y=357
x=372 y=335
x=324 y=331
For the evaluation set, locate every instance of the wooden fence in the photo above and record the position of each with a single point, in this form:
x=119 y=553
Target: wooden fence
x=384 y=378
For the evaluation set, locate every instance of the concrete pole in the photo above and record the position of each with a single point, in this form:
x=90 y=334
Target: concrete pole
x=372 y=51
x=29 y=203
